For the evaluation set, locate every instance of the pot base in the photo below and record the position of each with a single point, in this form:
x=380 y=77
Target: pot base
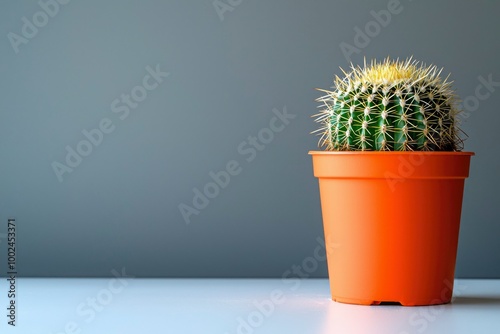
x=375 y=302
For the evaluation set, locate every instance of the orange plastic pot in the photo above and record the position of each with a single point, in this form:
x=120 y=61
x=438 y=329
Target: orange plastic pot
x=391 y=222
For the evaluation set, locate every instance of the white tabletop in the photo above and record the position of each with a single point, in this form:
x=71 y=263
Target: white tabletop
x=242 y=306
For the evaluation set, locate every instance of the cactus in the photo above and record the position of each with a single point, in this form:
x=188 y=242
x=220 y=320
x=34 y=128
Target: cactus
x=390 y=106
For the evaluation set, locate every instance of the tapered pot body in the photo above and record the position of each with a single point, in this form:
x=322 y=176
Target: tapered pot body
x=391 y=223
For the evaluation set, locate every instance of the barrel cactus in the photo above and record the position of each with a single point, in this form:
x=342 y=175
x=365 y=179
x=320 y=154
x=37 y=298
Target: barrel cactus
x=390 y=106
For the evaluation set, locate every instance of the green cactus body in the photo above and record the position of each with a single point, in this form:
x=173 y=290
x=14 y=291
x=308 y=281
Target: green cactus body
x=412 y=110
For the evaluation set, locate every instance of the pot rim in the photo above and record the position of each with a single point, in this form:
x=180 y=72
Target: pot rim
x=454 y=153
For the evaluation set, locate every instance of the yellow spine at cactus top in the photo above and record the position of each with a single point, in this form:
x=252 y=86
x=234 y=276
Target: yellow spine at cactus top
x=390 y=72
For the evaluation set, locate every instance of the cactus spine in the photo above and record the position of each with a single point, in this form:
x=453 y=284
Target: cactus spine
x=390 y=106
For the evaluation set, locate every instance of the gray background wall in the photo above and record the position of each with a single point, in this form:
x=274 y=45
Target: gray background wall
x=119 y=208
